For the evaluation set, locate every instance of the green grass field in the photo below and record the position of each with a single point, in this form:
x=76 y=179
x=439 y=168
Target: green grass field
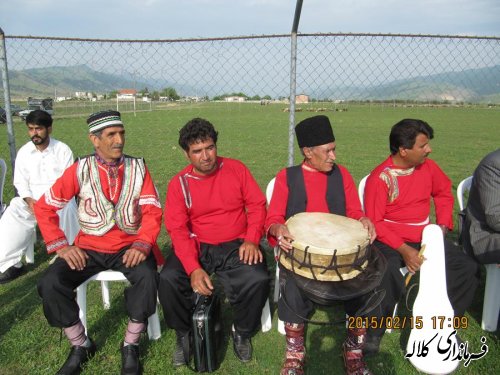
x=257 y=135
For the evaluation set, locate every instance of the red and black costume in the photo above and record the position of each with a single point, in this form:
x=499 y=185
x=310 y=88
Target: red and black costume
x=208 y=217
x=303 y=189
x=118 y=209
x=398 y=201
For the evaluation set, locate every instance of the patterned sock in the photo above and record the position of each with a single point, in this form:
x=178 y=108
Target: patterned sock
x=134 y=330
x=355 y=339
x=76 y=335
x=353 y=352
x=295 y=348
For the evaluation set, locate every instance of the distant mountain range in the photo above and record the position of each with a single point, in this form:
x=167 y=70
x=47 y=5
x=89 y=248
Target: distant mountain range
x=474 y=85
x=64 y=81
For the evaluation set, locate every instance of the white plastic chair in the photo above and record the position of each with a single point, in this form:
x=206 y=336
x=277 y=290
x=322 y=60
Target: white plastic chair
x=3 y=172
x=104 y=277
x=491 y=302
x=463 y=187
x=361 y=190
x=403 y=270
x=269 y=194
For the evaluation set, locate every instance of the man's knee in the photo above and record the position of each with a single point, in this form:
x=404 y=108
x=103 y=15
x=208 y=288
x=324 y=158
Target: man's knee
x=47 y=283
x=169 y=278
x=146 y=274
x=259 y=276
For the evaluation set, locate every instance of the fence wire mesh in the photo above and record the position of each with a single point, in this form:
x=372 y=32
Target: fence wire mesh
x=84 y=75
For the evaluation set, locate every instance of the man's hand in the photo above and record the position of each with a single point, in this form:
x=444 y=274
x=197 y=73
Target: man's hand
x=74 y=256
x=367 y=224
x=411 y=258
x=133 y=257
x=31 y=203
x=285 y=239
x=250 y=253
x=201 y=283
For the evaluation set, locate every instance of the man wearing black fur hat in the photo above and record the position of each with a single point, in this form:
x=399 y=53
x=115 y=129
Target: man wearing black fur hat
x=120 y=218
x=317 y=185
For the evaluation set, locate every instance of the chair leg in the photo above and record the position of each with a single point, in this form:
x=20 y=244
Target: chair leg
x=389 y=330
x=81 y=300
x=154 y=329
x=491 y=304
x=105 y=294
x=281 y=326
x=265 y=319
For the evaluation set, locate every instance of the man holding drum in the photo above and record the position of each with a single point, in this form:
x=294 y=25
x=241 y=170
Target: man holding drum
x=319 y=185
x=397 y=198
x=214 y=213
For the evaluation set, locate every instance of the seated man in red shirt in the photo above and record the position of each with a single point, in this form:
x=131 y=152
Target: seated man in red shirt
x=397 y=198
x=120 y=219
x=214 y=213
x=320 y=185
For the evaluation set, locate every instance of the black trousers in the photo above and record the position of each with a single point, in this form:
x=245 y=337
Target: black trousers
x=294 y=305
x=245 y=286
x=462 y=278
x=57 y=287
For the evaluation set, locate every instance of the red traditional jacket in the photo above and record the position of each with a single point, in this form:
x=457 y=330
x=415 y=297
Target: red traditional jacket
x=110 y=178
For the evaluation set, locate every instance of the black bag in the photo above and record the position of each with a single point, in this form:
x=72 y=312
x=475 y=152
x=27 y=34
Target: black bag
x=207 y=333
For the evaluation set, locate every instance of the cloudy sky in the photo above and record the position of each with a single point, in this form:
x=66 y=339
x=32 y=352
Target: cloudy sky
x=164 y=19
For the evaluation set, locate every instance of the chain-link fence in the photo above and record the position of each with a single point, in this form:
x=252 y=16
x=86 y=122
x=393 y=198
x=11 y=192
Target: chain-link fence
x=330 y=67
x=86 y=75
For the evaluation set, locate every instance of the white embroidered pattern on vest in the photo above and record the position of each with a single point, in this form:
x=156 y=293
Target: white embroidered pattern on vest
x=97 y=215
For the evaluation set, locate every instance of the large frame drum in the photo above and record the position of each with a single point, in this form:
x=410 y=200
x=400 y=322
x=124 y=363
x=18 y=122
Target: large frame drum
x=331 y=259
x=327 y=247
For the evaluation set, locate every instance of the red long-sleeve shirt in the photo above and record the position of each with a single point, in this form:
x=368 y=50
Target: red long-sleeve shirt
x=67 y=187
x=404 y=219
x=315 y=185
x=223 y=206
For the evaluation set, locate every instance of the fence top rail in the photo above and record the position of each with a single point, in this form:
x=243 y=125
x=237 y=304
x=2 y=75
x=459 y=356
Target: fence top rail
x=181 y=40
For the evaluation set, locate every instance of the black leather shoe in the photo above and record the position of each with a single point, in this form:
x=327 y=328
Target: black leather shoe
x=10 y=274
x=182 y=353
x=130 y=360
x=242 y=347
x=76 y=358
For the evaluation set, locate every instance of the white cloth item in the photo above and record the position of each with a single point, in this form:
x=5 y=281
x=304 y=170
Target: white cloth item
x=17 y=233
x=18 y=230
x=35 y=173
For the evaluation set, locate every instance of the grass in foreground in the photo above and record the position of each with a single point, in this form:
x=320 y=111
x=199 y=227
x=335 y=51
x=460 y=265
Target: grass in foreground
x=258 y=135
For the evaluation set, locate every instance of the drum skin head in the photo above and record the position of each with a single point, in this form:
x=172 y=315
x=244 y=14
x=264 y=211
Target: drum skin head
x=326 y=247
x=322 y=232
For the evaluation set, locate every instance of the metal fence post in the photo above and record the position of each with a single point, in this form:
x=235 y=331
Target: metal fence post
x=6 y=94
x=293 y=82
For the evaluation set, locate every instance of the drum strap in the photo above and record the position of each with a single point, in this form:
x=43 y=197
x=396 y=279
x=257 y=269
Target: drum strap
x=297 y=199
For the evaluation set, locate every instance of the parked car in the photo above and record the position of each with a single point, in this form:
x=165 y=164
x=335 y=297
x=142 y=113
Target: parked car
x=43 y=104
x=15 y=109
x=24 y=113
x=3 y=116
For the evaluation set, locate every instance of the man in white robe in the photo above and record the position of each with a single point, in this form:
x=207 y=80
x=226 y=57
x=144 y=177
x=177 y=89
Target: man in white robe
x=39 y=163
